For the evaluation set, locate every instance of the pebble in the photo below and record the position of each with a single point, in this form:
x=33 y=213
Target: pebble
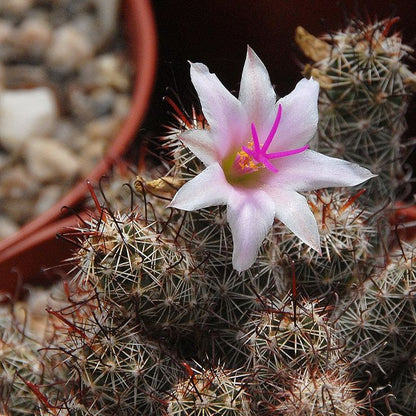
x=6 y=32
x=65 y=39
x=2 y=76
x=7 y=227
x=17 y=193
x=102 y=128
x=16 y=7
x=107 y=12
x=48 y=195
x=48 y=160
x=24 y=114
x=6 y=39
x=24 y=75
x=92 y=154
x=34 y=36
x=106 y=71
x=65 y=88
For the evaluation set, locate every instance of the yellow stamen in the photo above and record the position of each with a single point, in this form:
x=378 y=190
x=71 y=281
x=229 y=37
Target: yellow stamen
x=245 y=162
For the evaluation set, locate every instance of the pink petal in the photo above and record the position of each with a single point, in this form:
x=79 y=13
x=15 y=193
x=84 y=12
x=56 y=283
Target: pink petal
x=299 y=117
x=206 y=189
x=250 y=214
x=311 y=170
x=293 y=210
x=201 y=144
x=257 y=94
x=225 y=114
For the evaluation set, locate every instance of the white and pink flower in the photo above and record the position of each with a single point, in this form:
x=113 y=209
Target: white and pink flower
x=257 y=158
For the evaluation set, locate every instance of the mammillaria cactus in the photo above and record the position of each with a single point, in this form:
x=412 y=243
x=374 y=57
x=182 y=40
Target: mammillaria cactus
x=27 y=372
x=209 y=392
x=366 y=86
x=288 y=301
x=377 y=319
x=348 y=238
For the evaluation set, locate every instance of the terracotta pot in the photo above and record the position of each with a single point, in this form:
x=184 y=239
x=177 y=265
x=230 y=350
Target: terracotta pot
x=34 y=252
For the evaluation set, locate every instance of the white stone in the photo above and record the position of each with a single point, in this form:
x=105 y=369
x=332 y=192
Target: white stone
x=107 y=15
x=24 y=114
x=34 y=36
x=69 y=49
x=48 y=160
x=6 y=31
x=7 y=227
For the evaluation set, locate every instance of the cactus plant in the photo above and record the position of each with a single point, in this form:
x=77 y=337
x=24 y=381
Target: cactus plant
x=164 y=316
x=27 y=372
x=206 y=392
x=366 y=87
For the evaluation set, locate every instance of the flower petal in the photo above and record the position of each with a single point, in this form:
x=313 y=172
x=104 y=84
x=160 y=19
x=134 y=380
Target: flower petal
x=206 y=189
x=257 y=94
x=299 y=116
x=293 y=210
x=250 y=214
x=311 y=170
x=201 y=144
x=225 y=114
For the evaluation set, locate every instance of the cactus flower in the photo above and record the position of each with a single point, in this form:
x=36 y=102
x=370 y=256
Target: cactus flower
x=257 y=158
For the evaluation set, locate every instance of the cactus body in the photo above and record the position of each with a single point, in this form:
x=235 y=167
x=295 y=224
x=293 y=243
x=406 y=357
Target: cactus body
x=366 y=86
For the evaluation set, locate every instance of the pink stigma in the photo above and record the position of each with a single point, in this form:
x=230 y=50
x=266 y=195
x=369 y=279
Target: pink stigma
x=259 y=152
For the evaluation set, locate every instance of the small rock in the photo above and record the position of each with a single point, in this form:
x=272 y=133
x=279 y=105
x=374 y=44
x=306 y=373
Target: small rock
x=2 y=76
x=68 y=133
x=102 y=101
x=103 y=129
x=91 y=105
x=92 y=154
x=122 y=106
x=17 y=7
x=48 y=196
x=23 y=74
x=69 y=49
x=6 y=40
x=19 y=210
x=48 y=160
x=107 y=16
x=4 y=160
x=24 y=114
x=79 y=104
x=6 y=32
x=107 y=70
x=34 y=36
x=87 y=24
x=17 y=192
x=15 y=183
x=7 y=226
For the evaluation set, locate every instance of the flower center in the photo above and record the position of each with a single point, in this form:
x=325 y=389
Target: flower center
x=244 y=162
x=254 y=156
